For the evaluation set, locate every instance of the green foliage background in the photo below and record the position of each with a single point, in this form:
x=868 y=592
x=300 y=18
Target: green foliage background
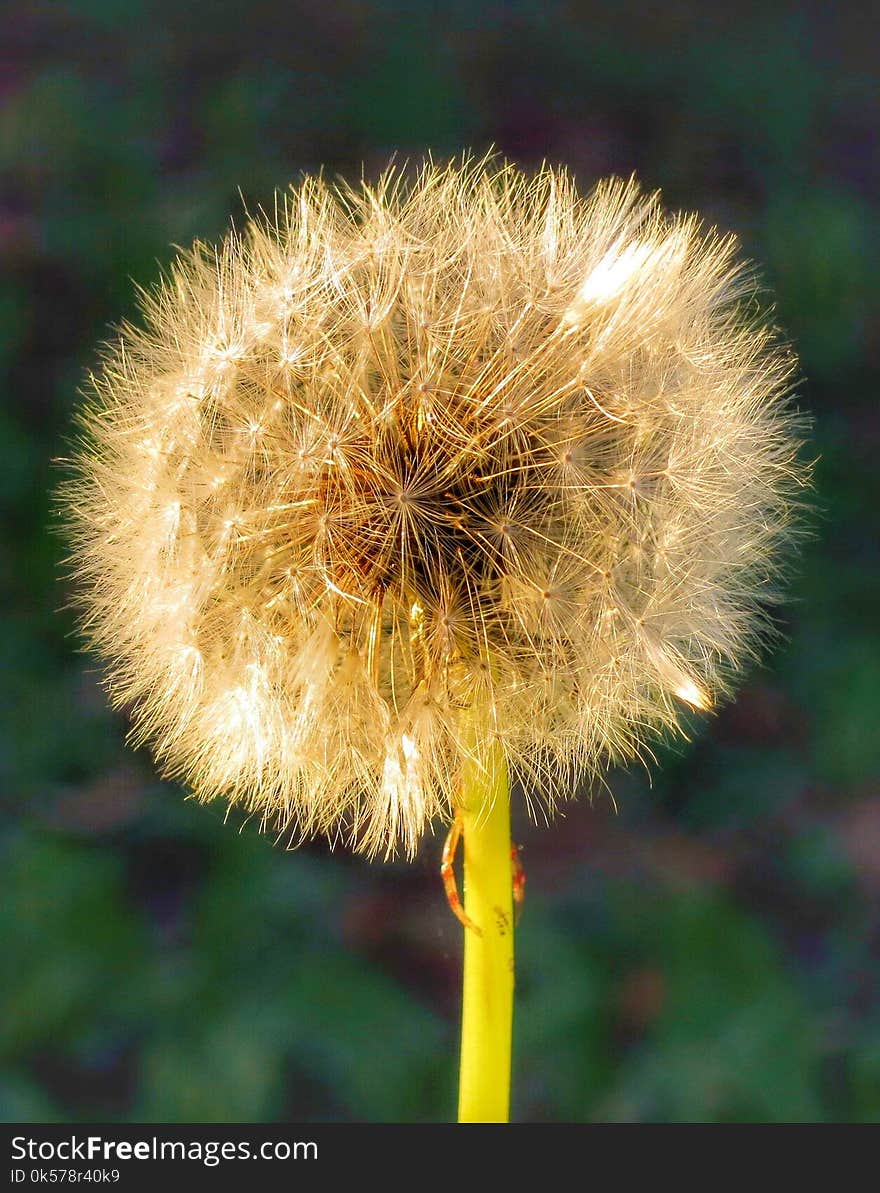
x=712 y=951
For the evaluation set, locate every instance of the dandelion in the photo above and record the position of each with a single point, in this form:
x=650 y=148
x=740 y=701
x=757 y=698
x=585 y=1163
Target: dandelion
x=408 y=486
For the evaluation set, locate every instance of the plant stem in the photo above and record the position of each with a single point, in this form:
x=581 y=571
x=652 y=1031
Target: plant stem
x=487 y=996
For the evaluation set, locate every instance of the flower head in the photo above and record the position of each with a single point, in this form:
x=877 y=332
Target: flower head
x=402 y=452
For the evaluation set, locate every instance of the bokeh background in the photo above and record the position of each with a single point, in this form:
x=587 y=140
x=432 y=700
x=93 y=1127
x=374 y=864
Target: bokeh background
x=710 y=952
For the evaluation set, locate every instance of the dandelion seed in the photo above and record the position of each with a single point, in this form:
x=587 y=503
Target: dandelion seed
x=409 y=449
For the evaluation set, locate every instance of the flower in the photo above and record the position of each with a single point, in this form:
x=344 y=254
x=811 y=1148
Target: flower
x=403 y=471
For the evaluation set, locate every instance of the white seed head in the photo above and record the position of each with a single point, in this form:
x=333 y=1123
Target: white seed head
x=402 y=452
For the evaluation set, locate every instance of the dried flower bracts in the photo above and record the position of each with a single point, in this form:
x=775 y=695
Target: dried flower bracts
x=402 y=452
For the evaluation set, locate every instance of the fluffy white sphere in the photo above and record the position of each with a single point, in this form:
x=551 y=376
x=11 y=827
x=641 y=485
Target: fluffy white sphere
x=403 y=454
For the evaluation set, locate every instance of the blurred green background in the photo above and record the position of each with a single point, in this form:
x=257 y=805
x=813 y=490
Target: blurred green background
x=712 y=951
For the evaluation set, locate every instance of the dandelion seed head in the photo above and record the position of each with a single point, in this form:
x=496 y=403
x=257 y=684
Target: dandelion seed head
x=407 y=451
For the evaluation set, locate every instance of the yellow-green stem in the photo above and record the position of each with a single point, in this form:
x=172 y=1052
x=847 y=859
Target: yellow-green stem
x=487 y=997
